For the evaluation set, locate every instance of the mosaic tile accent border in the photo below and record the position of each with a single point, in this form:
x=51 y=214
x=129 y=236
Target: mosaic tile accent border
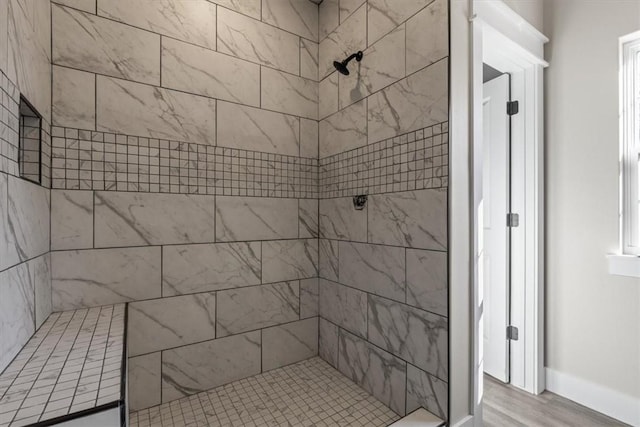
x=307 y=393
x=72 y=363
x=413 y=161
x=104 y=161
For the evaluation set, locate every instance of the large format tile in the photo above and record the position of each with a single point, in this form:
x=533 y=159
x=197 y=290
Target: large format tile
x=328 y=342
x=427 y=36
x=374 y=269
x=90 y=43
x=328 y=17
x=309 y=298
x=159 y=113
x=427 y=391
x=41 y=273
x=416 y=102
x=415 y=219
x=343 y=306
x=347 y=7
x=383 y=64
x=298 y=17
x=74 y=98
x=373 y=369
x=427 y=283
x=193 y=21
x=246 y=309
x=8 y=252
x=308 y=218
x=4 y=6
x=309 y=138
x=255 y=218
x=144 y=381
x=290 y=343
x=16 y=311
x=328 y=102
x=254 y=129
x=91 y=278
x=165 y=323
x=199 y=268
x=386 y=15
x=204 y=72
x=85 y=5
x=135 y=219
x=348 y=38
x=28 y=218
x=340 y=220
x=255 y=41
x=188 y=370
x=250 y=8
x=345 y=130
x=289 y=260
x=289 y=94
x=71 y=219
x=328 y=259
x=308 y=59
x=419 y=337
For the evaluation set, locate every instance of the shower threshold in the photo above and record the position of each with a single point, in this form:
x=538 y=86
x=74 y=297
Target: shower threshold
x=307 y=393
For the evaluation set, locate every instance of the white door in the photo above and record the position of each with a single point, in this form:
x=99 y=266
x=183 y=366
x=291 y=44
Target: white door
x=495 y=241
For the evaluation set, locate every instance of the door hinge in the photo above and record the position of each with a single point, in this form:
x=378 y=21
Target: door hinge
x=513 y=220
x=512 y=333
x=513 y=107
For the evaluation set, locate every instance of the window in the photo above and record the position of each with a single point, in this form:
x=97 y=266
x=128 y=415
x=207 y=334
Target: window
x=630 y=143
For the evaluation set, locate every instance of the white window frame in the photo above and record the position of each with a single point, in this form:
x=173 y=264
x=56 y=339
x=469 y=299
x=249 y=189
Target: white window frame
x=630 y=144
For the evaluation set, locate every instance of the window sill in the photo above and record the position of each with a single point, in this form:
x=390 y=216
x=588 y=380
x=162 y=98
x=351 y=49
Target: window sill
x=624 y=265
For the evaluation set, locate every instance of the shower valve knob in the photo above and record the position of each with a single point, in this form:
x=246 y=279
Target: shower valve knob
x=359 y=202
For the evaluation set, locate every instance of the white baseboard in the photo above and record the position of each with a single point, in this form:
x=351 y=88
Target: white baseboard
x=617 y=405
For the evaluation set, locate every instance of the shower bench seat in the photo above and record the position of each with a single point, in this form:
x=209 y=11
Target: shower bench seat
x=71 y=372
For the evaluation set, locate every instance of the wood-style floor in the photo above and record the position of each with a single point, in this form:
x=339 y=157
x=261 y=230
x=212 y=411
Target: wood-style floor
x=505 y=405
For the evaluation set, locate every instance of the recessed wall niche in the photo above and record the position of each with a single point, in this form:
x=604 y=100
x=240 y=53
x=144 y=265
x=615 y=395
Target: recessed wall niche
x=30 y=142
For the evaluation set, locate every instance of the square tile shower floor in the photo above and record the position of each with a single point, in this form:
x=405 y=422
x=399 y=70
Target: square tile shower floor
x=307 y=393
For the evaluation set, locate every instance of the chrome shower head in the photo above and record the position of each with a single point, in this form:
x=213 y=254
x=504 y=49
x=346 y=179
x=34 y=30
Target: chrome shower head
x=342 y=66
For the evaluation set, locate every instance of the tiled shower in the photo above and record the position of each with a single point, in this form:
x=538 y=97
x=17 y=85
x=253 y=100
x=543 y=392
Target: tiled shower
x=199 y=161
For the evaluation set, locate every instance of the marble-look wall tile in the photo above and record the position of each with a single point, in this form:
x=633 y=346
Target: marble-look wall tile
x=374 y=269
x=419 y=337
x=194 y=69
x=298 y=17
x=328 y=102
x=289 y=260
x=308 y=218
x=250 y=8
x=193 y=21
x=90 y=43
x=328 y=17
x=427 y=36
x=309 y=298
x=328 y=259
x=160 y=113
x=383 y=65
x=199 y=268
x=415 y=219
x=347 y=7
x=290 y=343
x=427 y=282
x=328 y=342
x=4 y=35
x=308 y=59
x=28 y=218
x=189 y=370
x=385 y=15
x=16 y=311
x=427 y=391
x=249 y=39
x=144 y=381
x=90 y=278
x=8 y=252
x=165 y=323
x=130 y=219
x=349 y=37
x=41 y=270
x=345 y=130
x=71 y=219
x=257 y=307
x=416 y=102
x=340 y=220
x=289 y=94
x=375 y=370
x=74 y=98
x=255 y=218
x=84 y=5
x=309 y=138
x=343 y=306
x=254 y=129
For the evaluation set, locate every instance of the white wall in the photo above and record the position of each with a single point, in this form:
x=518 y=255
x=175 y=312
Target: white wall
x=593 y=318
x=530 y=10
